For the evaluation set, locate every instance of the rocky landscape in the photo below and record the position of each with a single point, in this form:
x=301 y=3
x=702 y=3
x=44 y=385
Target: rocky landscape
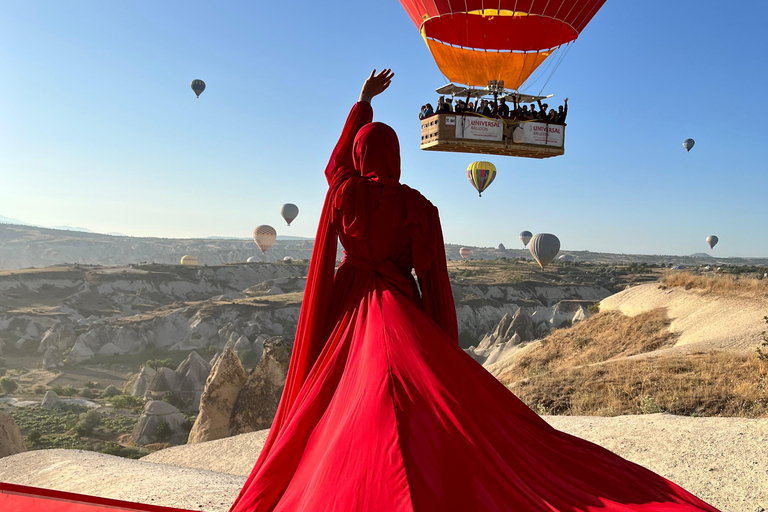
x=23 y=246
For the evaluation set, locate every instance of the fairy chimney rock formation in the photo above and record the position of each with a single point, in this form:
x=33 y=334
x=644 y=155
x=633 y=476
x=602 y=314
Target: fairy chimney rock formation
x=218 y=400
x=257 y=401
x=141 y=385
x=11 y=441
x=155 y=413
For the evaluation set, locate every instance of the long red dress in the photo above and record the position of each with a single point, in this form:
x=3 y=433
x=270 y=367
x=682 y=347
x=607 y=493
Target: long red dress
x=382 y=411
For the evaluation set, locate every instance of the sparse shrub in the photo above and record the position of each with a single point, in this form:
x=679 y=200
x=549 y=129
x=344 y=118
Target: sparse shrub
x=87 y=393
x=39 y=389
x=594 y=308
x=762 y=350
x=111 y=391
x=34 y=436
x=650 y=406
x=2 y=372
x=113 y=448
x=88 y=421
x=127 y=402
x=163 y=431
x=90 y=385
x=173 y=399
x=156 y=364
x=8 y=385
x=68 y=390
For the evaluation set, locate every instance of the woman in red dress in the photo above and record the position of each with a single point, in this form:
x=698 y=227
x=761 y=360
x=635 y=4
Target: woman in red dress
x=382 y=410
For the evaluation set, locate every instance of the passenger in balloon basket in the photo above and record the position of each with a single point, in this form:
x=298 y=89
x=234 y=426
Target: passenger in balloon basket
x=503 y=108
x=442 y=105
x=382 y=410
x=562 y=112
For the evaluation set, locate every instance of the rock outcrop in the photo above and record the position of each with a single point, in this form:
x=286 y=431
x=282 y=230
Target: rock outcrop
x=79 y=353
x=11 y=441
x=218 y=400
x=50 y=400
x=52 y=357
x=257 y=401
x=60 y=335
x=187 y=382
x=155 y=413
x=145 y=377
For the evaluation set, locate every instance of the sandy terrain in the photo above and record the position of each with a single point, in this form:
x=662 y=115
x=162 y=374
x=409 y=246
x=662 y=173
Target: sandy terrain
x=723 y=460
x=703 y=321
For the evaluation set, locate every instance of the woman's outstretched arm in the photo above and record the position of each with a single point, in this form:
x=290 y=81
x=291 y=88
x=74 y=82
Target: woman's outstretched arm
x=361 y=114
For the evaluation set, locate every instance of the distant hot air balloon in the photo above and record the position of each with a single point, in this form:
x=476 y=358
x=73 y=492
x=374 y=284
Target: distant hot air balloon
x=464 y=252
x=289 y=212
x=712 y=241
x=481 y=175
x=473 y=44
x=189 y=261
x=253 y=259
x=198 y=86
x=688 y=144
x=288 y=259
x=264 y=236
x=544 y=247
x=525 y=237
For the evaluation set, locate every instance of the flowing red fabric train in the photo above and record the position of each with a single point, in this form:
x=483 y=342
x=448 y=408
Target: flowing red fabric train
x=20 y=498
x=382 y=410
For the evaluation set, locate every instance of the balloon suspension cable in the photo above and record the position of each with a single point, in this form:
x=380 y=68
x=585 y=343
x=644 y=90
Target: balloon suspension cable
x=559 y=61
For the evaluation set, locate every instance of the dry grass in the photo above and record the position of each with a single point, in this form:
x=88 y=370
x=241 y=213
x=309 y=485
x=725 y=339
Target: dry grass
x=604 y=336
x=581 y=371
x=722 y=284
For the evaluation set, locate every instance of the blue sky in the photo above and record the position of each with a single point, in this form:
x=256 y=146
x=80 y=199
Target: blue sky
x=99 y=128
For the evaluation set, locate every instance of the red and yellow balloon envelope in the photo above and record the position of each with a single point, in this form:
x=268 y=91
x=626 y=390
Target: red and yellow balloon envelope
x=472 y=44
x=481 y=175
x=464 y=252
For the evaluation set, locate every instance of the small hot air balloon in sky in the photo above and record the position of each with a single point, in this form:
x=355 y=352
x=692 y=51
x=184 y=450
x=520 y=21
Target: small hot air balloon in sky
x=481 y=175
x=189 y=261
x=289 y=212
x=544 y=247
x=688 y=144
x=525 y=237
x=712 y=241
x=264 y=236
x=198 y=86
x=464 y=252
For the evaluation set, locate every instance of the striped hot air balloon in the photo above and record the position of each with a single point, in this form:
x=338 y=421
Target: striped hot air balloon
x=264 y=236
x=525 y=237
x=481 y=175
x=544 y=247
x=464 y=252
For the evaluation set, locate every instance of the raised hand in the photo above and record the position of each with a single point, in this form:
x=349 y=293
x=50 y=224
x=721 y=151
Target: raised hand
x=376 y=84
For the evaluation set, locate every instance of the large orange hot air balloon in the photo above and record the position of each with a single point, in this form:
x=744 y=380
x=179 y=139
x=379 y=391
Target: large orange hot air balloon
x=473 y=44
